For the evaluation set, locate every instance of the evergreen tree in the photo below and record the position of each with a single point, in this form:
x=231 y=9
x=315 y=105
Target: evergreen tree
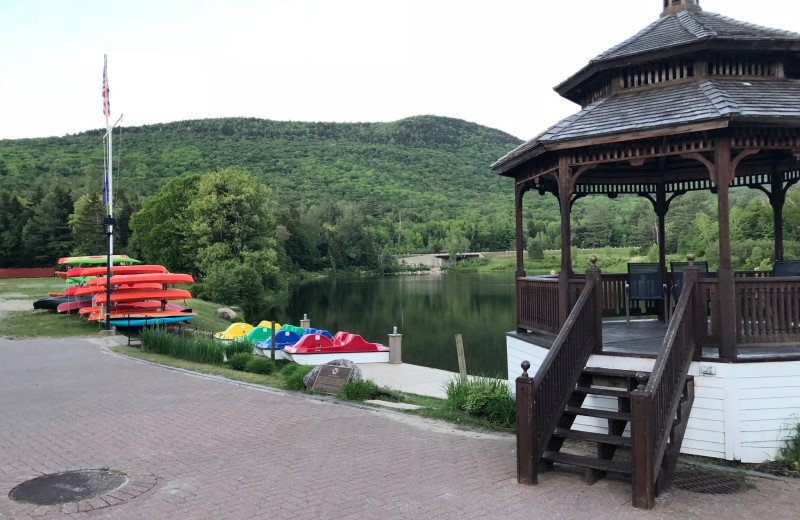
x=47 y=236
x=13 y=216
x=86 y=223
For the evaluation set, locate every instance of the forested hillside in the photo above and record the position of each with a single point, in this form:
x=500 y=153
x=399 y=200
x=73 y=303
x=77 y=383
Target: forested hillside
x=416 y=166
x=338 y=196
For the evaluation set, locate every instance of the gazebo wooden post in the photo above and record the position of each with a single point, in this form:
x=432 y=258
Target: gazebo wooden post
x=723 y=175
x=661 y=208
x=565 y=188
x=519 y=193
x=661 y=213
x=777 y=197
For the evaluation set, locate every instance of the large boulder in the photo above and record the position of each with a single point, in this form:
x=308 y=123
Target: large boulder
x=356 y=376
x=226 y=314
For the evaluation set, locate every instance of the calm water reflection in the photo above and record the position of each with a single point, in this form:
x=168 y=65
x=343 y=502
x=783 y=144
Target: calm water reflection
x=429 y=310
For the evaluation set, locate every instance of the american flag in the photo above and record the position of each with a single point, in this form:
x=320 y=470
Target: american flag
x=106 y=101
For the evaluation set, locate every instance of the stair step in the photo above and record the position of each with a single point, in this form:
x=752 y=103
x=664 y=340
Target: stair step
x=611 y=372
x=602 y=438
x=610 y=392
x=588 y=462
x=603 y=414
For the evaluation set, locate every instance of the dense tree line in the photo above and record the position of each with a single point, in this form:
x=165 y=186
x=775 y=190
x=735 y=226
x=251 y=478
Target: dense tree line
x=242 y=202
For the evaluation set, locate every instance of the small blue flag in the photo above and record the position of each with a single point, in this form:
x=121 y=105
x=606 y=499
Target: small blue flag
x=105 y=187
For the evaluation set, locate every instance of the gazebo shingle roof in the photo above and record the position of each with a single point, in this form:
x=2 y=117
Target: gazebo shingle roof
x=688 y=27
x=681 y=104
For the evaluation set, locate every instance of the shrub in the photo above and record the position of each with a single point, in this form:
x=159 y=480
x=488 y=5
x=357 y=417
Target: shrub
x=358 y=390
x=483 y=397
x=294 y=379
x=289 y=369
x=239 y=360
x=260 y=365
x=244 y=346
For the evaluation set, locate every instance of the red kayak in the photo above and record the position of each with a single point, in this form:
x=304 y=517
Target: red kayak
x=135 y=315
x=162 y=278
x=116 y=269
x=136 y=306
x=96 y=289
x=72 y=306
x=135 y=296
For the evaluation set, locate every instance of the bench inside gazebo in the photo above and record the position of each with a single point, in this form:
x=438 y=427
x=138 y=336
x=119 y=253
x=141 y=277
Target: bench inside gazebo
x=695 y=101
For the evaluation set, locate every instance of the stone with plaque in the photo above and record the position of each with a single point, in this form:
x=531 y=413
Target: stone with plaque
x=331 y=378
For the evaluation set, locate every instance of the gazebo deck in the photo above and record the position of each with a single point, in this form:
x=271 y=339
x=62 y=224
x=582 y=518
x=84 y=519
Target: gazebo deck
x=643 y=338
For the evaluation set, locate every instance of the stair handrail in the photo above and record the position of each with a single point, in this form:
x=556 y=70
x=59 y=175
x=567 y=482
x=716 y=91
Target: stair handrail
x=542 y=399
x=654 y=405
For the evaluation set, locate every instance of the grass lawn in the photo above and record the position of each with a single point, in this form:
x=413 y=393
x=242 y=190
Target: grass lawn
x=609 y=260
x=18 y=318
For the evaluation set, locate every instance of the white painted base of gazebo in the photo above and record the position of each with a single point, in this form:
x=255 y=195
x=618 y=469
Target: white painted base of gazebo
x=742 y=411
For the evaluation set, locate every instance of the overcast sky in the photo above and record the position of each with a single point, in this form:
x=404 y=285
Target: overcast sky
x=493 y=62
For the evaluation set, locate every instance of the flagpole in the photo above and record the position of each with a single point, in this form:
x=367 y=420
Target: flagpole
x=109 y=220
x=110 y=191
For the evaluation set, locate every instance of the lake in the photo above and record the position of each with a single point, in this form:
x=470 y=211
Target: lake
x=428 y=310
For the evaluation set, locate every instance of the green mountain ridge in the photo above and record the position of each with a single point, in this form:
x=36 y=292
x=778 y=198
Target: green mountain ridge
x=419 y=166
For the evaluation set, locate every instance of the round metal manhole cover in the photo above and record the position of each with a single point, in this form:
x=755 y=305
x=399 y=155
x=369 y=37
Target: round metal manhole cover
x=72 y=486
x=708 y=482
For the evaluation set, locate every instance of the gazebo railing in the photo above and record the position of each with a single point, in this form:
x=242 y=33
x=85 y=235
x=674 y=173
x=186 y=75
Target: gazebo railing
x=767 y=308
x=767 y=311
x=537 y=304
x=537 y=300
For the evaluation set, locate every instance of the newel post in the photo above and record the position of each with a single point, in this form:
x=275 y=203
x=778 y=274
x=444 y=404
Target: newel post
x=594 y=273
x=526 y=442
x=696 y=310
x=642 y=439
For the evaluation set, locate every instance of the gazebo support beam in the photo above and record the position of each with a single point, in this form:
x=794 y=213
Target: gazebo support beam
x=519 y=193
x=565 y=188
x=722 y=175
x=661 y=207
x=777 y=197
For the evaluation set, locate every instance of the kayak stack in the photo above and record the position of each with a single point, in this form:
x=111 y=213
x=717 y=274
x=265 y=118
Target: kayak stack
x=140 y=294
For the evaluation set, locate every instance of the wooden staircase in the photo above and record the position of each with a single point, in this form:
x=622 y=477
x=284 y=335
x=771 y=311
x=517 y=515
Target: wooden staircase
x=656 y=406
x=613 y=447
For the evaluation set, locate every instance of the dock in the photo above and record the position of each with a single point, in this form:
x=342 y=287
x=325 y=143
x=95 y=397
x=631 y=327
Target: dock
x=405 y=377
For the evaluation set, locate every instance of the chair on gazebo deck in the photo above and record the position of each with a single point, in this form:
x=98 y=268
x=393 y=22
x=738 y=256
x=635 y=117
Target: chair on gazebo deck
x=645 y=282
x=677 y=276
x=786 y=268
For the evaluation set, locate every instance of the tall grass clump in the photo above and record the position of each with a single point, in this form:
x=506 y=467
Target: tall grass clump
x=485 y=397
x=359 y=390
x=789 y=453
x=199 y=349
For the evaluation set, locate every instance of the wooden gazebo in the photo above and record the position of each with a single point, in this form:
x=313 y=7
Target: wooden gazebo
x=695 y=101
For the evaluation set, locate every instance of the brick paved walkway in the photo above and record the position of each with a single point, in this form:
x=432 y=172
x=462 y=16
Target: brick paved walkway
x=198 y=448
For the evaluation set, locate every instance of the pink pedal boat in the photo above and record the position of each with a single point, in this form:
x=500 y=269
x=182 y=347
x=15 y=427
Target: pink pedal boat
x=316 y=349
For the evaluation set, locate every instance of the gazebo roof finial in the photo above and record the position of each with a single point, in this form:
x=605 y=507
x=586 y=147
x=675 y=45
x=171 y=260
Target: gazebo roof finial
x=676 y=6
